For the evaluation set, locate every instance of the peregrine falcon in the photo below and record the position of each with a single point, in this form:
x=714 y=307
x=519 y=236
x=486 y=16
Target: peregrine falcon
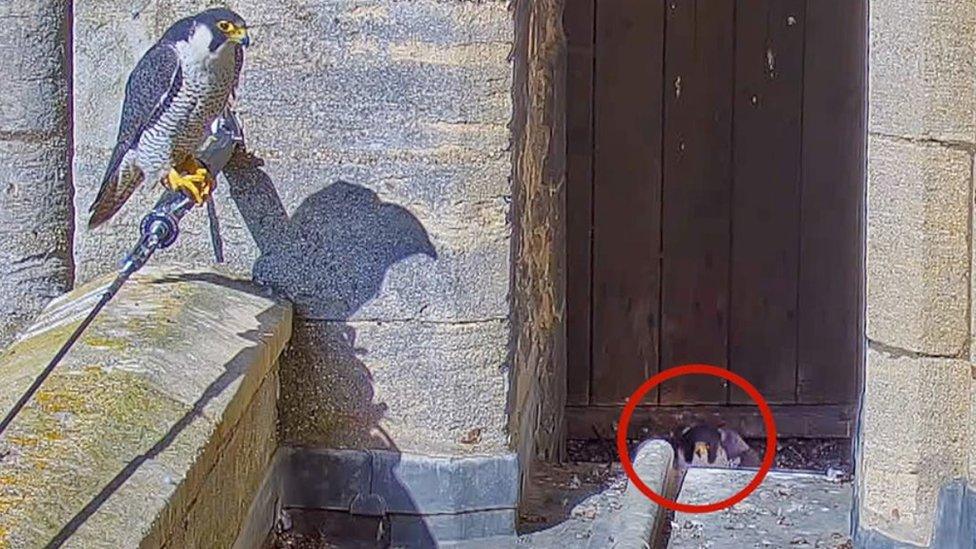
x=177 y=89
x=707 y=446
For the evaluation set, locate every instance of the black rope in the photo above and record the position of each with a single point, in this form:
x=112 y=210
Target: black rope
x=215 y=238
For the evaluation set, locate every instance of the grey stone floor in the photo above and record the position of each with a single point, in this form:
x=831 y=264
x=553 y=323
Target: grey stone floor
x=572 y=507
x=787 y=510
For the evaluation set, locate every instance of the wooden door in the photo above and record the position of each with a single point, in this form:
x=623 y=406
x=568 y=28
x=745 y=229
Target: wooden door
x=716 y=153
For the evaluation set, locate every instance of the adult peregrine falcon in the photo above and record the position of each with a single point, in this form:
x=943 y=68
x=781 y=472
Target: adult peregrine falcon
x=173 y=95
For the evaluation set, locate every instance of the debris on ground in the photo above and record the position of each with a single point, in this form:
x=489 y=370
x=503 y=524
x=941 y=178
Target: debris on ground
x=803 y=454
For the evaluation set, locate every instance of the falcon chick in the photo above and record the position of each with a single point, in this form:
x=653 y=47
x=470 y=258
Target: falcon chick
x=707 y=446
x=173 y=95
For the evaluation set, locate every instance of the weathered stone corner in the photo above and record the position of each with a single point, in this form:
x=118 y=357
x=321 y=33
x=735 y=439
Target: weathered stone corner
x=157 y=428
x=916 y=447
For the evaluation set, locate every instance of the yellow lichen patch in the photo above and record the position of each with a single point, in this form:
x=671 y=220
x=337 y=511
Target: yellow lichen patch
x=54 y=402
x=4 y=533
x=7 y=503
x=115 y=344
x=116 y=415
x=23 y=441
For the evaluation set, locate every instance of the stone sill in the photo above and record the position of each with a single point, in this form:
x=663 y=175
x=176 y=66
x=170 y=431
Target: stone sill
x=157 y=429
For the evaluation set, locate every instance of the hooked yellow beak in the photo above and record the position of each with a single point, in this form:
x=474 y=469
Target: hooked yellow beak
x=701 y=450
x=239 y=35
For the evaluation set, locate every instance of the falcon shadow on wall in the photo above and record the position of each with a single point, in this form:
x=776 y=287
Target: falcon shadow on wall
x=331 y=255
x=330 y=258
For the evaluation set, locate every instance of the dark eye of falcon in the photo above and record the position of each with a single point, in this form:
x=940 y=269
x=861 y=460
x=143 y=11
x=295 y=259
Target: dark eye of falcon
x=225 y=26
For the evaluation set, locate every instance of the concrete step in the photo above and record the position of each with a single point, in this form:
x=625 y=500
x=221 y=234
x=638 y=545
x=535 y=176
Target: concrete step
x=789 y=509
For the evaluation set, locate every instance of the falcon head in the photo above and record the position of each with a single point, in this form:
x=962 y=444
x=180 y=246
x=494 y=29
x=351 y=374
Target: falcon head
x=217 y=27
x=707 y=446
x=701 y=444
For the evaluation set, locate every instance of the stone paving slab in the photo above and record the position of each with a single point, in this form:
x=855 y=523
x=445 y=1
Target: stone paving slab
x=589 y=505
x=160 y=418
x=787 y=510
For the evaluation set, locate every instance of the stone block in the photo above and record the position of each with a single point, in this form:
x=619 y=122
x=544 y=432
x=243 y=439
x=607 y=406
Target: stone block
x=425 y=388
x=408 y=530
x=172 y=390
x=890 y=505
x=324 y=479
x=425 y=501
x=915 y=437
x=220 y=506
x=918 y=246
x=921 y=67
x=35 y=187
x=971 y=423
x=421 y=485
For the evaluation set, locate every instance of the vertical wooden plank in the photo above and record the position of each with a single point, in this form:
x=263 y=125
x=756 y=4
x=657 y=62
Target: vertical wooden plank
x=766 y=196
x=697 y=183
x=626 y=196
x=578 y=23
x=831 y=261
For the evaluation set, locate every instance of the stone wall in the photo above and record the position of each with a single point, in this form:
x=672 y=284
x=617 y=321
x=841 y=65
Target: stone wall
x=35 y=185
x=382 y=209
x=539 y=209
x=916 y=433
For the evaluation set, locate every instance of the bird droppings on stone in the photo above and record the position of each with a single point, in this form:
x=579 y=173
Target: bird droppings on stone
x=472 y=437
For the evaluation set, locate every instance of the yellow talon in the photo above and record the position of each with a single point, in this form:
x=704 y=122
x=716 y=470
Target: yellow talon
x=196 y=182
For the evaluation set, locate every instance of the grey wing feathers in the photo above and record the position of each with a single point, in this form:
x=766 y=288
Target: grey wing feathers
x=151 y=87
x=737 y=448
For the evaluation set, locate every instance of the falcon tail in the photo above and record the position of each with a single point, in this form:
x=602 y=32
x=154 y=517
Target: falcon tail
x=121 y=179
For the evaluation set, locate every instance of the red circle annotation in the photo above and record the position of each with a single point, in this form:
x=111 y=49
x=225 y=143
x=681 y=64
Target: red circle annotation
x=696 y=369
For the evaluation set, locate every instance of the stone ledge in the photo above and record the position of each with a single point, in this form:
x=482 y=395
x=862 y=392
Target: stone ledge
x=640 y=522
x=408 y=484
x=126 y=442
x=403 y=498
